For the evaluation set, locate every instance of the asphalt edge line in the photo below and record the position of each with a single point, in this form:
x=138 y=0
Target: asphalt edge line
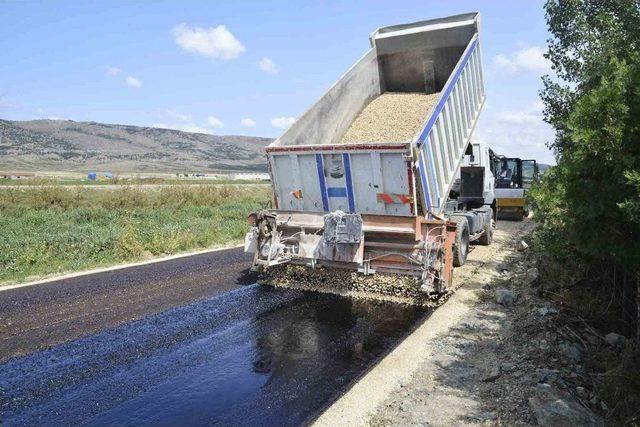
x=115 y=267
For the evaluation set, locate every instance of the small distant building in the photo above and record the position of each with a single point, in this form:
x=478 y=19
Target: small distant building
x=250 y=176
x=93 y=176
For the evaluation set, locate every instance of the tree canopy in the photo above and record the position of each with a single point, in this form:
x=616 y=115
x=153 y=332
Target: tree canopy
x=589 y=204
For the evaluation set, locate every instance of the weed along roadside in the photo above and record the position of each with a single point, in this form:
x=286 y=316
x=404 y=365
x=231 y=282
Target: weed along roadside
x=53 y=230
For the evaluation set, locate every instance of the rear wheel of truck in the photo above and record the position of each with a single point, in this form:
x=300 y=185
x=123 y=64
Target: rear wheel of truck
x=487 y=234
x=461 y=244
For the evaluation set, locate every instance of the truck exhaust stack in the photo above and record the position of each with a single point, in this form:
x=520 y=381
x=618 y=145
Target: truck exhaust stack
x=376 y=218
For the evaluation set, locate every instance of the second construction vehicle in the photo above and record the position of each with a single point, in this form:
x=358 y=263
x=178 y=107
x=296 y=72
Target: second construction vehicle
x=362 y=180
x=513 y=177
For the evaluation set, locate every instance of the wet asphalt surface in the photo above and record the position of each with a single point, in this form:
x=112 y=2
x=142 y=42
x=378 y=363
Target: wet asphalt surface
x=252 y=356
x=39 y=316
x=206 y=346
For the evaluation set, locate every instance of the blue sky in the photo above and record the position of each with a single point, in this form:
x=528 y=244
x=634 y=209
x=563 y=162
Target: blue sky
x=244 y=67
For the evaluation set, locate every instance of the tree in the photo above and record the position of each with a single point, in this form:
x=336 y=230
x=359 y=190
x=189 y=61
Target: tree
x=590 y=204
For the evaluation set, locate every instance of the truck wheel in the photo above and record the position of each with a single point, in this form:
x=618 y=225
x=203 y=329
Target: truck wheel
x=461 y=244
x=487 y=234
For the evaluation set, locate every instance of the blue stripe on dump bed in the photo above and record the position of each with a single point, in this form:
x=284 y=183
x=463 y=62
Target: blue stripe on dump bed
x=423 y=180
x=423 y=138
x=446 y=92
x=337 y=192
x=432 y=170
x=347 y=174
x=323 y=184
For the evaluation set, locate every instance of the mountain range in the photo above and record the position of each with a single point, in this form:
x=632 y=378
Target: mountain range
x=67 y=145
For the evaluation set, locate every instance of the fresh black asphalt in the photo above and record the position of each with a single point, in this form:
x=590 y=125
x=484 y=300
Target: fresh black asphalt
x=40 y=316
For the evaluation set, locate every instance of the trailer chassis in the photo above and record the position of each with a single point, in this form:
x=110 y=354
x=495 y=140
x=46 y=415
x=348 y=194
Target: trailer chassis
x=403 y=245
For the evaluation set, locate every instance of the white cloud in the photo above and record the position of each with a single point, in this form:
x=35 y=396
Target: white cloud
x=519 y=117
x=133 y=82
x=173 y=114
x=184 y=127
x=129 y=80
x=247 y=122
x=114 y=71
x=501 y=61
x=282 y=122
x=172 y=119
x=214 y=122
x=533 y=114
x=528 y=59
x=517 y=133
x=192 y=127
x=268 y=66
x=538 y=106
x=214 y=42
x=4 y=102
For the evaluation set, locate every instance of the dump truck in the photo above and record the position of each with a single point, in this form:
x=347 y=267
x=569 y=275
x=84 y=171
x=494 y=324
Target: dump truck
x=362 y=180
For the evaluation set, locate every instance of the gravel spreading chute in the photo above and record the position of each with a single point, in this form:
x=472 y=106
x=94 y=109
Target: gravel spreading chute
x=391 y=117
x=381 y=286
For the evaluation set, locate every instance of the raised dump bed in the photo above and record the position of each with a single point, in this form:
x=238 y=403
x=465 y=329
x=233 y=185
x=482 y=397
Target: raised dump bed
x=361 y=180
x=410 y=156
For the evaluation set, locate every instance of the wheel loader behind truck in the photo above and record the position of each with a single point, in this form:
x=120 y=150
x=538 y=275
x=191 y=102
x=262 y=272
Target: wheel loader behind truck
x=378 y=211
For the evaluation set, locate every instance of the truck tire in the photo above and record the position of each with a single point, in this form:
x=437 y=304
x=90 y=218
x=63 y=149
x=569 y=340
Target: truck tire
x=461 y=243
x=487 y=234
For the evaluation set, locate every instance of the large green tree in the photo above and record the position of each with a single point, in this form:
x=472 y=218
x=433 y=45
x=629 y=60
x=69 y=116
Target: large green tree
x=589 y=205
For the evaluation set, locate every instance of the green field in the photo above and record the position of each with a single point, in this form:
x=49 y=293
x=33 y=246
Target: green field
x=51 y=230
x=123 y=181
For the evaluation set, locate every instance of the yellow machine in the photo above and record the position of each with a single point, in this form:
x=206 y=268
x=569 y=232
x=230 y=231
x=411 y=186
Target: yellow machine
x=513 y=177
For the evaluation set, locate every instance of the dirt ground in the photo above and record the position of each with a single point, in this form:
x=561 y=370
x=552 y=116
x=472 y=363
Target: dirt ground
x=450 y=386
x=476 y=361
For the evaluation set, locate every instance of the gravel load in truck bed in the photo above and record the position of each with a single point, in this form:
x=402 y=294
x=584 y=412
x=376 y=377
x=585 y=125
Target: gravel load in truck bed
x=391 y=117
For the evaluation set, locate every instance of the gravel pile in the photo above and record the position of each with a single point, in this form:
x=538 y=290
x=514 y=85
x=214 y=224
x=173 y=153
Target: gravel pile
x=391 y=117
x=380 y=286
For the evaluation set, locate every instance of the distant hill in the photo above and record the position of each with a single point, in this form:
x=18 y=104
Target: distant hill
x=543 y=167
x=66 y=145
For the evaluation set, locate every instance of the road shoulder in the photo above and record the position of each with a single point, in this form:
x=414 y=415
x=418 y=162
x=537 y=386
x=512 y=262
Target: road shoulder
x=425 y=350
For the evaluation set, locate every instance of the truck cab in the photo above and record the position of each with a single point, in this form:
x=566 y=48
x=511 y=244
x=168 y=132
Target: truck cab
x=474 y=185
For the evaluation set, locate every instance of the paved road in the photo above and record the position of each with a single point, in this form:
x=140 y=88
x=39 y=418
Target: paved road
x=209 y=347
x=40 y=316
x=251 y=356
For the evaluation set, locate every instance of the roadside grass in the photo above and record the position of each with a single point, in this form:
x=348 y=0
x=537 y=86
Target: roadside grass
x=52 y=230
